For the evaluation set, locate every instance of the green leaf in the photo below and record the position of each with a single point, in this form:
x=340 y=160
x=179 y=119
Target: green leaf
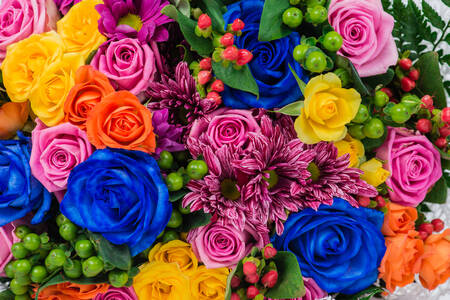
x=183 y=6
x=366 y=294
x=237 y=269
x=372 y=144
x=446 y=2
x=91 y=56
x=6 y=295
x=170 y=11
x=175 y=196
x=382 y=79
x=117 y=255
x=430 y=80
x=194 y=220
x=214 y=11
x=271 y=25
x=238 y=79
x=300 y=82
x=292 y=109
x=343 y=62
x=290 y=282
x=432 y=15
x=446 y=59
x=438 y=193
x=447 y=39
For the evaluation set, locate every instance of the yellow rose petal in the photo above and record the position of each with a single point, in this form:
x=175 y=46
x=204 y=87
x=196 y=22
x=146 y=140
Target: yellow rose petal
x=328 y=134
x=374 y=174
x=209 y=284
x=304 y=130
x=352 y=97
x=342 y=117
x=175 y=251
x=332 y=80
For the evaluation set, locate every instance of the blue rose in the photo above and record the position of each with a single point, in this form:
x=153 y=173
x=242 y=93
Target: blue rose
x=339 y=246
x=20 y=192
x=120 y=194
x=269 y=66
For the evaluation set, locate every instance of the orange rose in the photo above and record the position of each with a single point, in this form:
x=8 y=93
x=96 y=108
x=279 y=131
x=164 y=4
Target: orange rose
x=436 y=262
x=90 y=87
x=13 y=116
x=398 y=219
x=72 y=291
x=121 y=121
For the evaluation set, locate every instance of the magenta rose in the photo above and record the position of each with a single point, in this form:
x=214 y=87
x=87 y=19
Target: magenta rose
x=129 y=64
x=367 y=33
x=123 y=293
x=414 y=163
x=20 y=19
x=313 y=291
x=55 y=152
x=65 y=5
x=220 y=245
x=224 y=126
x=7 y=238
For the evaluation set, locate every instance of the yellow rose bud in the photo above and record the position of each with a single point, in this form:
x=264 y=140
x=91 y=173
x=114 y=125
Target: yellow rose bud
x=159 y=280
x=353 y=147
x=209 y=284
x=53 y=86
x=327 y=108
x=25 y=62
x=175 y=251
x=374 y=173
x=79 y=28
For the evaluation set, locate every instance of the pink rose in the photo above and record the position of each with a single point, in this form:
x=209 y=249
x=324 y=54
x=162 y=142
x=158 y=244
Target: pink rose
x=55 y=152
x=129 y=64
x=123 y=293
x=367 y=33
x=414 y=163
x=313 y=291
x=7 y=238
x=218 y=245
x=224 y=126
x=20 y=19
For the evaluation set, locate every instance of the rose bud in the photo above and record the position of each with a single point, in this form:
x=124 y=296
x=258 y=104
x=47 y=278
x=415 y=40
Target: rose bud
x=414 y=74
x=237 y=25
x=204 y=77
x=438 y=225
x=205 y=64
x=253 y=278
x=230 y=53
x=227 y=39
x=217 y=86
x=235 y=282
x=269 y=252
x=270 y=279
x=244 y=57
x=235 y=296
x=405 y=63
x=204 y=21
x=407 y=84
x=427 y=227
x=215 y=97
x=252 y=291
x=249 y=268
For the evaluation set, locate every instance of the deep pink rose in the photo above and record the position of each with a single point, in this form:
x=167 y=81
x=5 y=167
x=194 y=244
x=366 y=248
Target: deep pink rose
x=55 y=152
x=218 y=245
x=7 y=238
x=123 y=293
x=224 y=126
x=21 y=18
x=129 y=64
x=414 y=163
x=367 y=33
x=65 y=5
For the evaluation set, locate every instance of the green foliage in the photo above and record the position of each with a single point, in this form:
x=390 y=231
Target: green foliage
x=438 y=193
x=238 y=79
x=194 y=220
x=366 y=294
x=271 y=26
x=292 y=109
x=116 y=255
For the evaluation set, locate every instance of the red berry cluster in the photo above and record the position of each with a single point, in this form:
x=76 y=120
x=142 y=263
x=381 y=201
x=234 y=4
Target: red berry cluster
x=426 y=229
x=204 y=77
x=258 y=275
x=408 y=75
x=377 y=202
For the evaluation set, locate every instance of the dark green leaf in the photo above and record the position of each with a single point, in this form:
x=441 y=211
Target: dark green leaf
x=366 y=294
x=194 y=220
x=438 y=193
x=372 y=144
x=300 y=82
x=170 y=11
x=430 y=81
x=386 y=5
x=446 y=2
x=117 y=255
x=237 y=269
x=447 y=39
x=238 y=79
x=343 y=62
x=175 y=196
x=383 y=79
x=271 y=26
x=6 y=295
x=290 y=282
x=432 y=15
x=133 y=272
x=213 y=9
x=91 y=56
x=292 y=109
x=183 y=6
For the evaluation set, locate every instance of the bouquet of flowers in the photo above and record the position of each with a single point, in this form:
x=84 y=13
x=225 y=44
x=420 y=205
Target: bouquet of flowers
x=222 y=149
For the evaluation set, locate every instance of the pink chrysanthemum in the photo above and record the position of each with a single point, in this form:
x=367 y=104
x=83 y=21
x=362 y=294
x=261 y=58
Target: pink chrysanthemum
x=330 y=177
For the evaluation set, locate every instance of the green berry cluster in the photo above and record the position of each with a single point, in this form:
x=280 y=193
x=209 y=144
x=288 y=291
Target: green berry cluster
x=312 y=11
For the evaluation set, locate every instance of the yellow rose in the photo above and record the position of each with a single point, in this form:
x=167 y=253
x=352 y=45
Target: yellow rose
x=53 y=86
x=209 y=284
x=25 y=61
x=374 y=173
x=327 y=108
x=79 y=28
x=175 y=251
x=353 y=147
x=162 y=281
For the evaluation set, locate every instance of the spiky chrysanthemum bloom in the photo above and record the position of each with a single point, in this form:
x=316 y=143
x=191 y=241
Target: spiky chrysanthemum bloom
x=330 y=177
x=180 y=96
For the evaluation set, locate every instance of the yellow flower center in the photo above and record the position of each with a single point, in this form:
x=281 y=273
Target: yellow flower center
x=327 y=108
x=134 y=21
x=229 y=189
x=314 y=170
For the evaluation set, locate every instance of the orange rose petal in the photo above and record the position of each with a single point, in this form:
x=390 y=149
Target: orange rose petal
x=12 y=118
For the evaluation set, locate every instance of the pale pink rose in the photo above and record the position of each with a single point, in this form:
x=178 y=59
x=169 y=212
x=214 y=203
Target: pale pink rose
x=21 y=18
x=55 y=152
x=367 y=32
x=7 y=238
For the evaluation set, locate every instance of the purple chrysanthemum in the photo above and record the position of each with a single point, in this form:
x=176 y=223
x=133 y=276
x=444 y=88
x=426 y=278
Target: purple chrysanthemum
x=168 y=136
x=180 y=96
x=65 y=5
x=135 y=18
x=330 y=177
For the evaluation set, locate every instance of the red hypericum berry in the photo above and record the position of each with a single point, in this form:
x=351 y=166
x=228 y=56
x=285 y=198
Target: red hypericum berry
x=438 y=225
x=205 y=64
x=423 y=235
x=364 y=201
x=235 y=282
x=215 y=97
x=380 y=201
x=252 y=278
x=445 y=115
x=388 y=92
x=427 y=227
x=235 y=296
x=441 y=142
x=237 y=25
x=217 y=86
x=244 y=57
x=414 y=74
x=269 y=252
x=204 y=21
x=204 y=77
x=427 y=102
x=252 y=291
x=270 y=279
x=227 y=39
x=230 y=53
x=405 y=63
x=249 y=268
x=407 y=84
x=424 y=125
x=444 y=131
